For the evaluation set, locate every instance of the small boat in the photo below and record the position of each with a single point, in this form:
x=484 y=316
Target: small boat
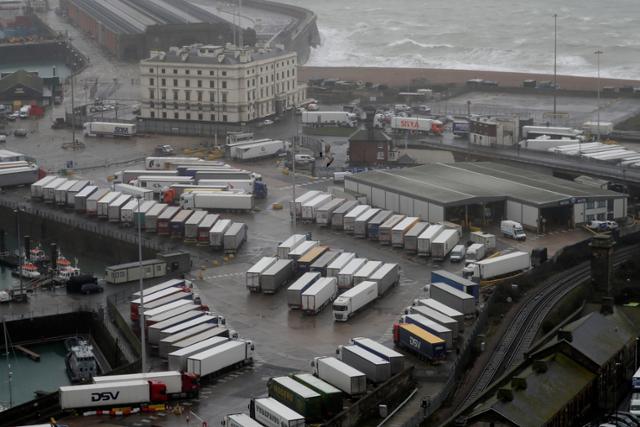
x=5 y=296
x=80 y=361
x=27 y=270
x=37 y=255
x=65 y=270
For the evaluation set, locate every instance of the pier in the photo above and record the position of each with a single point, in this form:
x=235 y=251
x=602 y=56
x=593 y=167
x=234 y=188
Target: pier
x=30 y=354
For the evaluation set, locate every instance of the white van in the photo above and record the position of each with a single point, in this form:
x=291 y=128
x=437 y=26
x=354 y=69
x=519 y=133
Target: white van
x=513 y=230
x=458 y=253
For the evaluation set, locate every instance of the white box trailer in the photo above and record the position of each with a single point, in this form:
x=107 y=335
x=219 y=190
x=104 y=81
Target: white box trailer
x=175 y=381
x=309 y=208
x=124 y=393
x=172 y=283
x=294 y=292
x=115 y=130
x=454 y=298
x=93 y=200
x=444 y=243
x=295 y=206
x=340 y=375
x=386 y=276
x=154 y=336
x=103 y=203
x=212 y=361
x=276 y=276
x=345 y=276
x=441 y=308
x=213 y=331
x=151 y=217
x=373 y=366
x=365 y=272
x=475 y=252
x=200 y=320
x=349 y=219
x=324 y=118
x=400 y=229
x=238 y=186
x=217 y=200
x=158 y=183
x=269 y=412
x=216 y=234
x=395 y=359
x=425 y=239
x=191 y=226
x=127 y=212
x=354 y=300
x=205 y=226
x=75 y=189
x=411 y=236
x=260 y=150
x=173 y=162
x=320 y=265
x=171 y=310
x=385 y=230
x=234 y=237
x=115 y=207
x=177 y=360
x=488 y=240
x=165 y=343
x=252 y=277
x=49 y=189
x=304 y=247
x=241 y=420
x=325 y=212
x=134 y=191
x=292 y=242
x=436 y=316
x=126 y=176
x=498 y=266
x=373 y=227
x=320 y=294
x=80 y=199
x=37 y=188
x=60 y=193
x=361 y=223
x=430 y=326
x=339 y=263
x=337 y=217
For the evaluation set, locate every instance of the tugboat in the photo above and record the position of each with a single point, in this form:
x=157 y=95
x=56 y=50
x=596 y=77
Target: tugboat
x=65 y=270
x=80 y=361
x=27 y=270
x=37 y=255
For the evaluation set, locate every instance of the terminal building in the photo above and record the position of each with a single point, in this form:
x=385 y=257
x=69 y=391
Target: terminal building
x=478 y=193
x=219 y=83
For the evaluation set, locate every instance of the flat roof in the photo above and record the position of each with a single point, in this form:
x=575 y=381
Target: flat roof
x=479 y=182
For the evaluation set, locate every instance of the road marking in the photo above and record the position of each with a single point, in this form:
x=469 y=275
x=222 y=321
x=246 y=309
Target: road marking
x=219 y=276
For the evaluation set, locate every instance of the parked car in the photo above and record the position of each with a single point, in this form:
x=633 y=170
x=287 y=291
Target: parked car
x=603 y=225
x=3 y=138
x=304 y=158
x=164 y=150
x=13 y=116
x=91 y=288
x=20 y=132
x=267 y=122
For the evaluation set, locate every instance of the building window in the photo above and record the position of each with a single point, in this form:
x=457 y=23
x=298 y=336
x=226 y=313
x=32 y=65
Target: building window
x=224 y=84
x=199 y=96
x=176 y=116
x=199 y=72
x=187 y=95
x=199 y=83
x=175 y=82
x=151 y=70
x=591 y=204
x=213 y=118
x=152 y=114
x=186 y=72
x=175 y=71
x=224 y=96
x=175 y=105
x=601 y=217
x=212 y=96
x=212 y=84
x=152 y=105
x=200 y=116
x=602 y=203
x=163 y=94
x=224 y=118
x=163 y=82
x=151 y=94
x=224 y=73
x=211 y=73
x=188 y=116
x=164 y=114
x=163 y=71
x=163 y=105
x=175 y=95
x=187 y=83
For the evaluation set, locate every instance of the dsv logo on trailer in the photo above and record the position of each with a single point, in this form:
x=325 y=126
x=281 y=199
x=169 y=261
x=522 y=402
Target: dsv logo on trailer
x=104 y=396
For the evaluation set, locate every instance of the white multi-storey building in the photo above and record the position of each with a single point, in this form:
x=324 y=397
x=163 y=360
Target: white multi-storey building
x=219 y=84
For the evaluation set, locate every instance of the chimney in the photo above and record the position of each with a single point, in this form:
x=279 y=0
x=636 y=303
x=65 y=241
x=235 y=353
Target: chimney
x=27 y=246
x=607 y=306
x=518 y=383
x=540 y=366
x=565 y=335
x=505 y=395
x=601 y=266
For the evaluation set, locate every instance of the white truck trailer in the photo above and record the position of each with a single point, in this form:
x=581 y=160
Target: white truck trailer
x=80 y=199
x=178 y=359
x=364 y=272
x=454 y=298
x=37 y=188
x=309 y=208
x=259 y=150
x=320 y=294
x=268 y=412
x=444 y=243
x=491 y=268
x=115 y=130
x=294 y=292
x=276 y=276
x=113 y=214
x=349 y=219
x=325 y=212
x=395 y=359
x=60 y=193
x=437 y=317
x=134 y=191
x=252 y=278
x=329 y=118
x=339 y=263
x=411 y=236
x=295 y=206
x=441 y=308
x=123 y=393
x=337 y=218
x=385 y=230
x=232 y=353
x=488 y=240
x=345 y=276
x=340 y=375
x=361 y=223
x=220 y=200
x=354 y=300
x=91 y=205
x=400 y=229
x=288 y=245
x=103 y=204
x=425 y=239
x=373 y=366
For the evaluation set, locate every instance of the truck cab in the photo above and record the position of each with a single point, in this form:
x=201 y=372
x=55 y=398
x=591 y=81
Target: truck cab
x=190 y=383
x=458 y=253
x=470 y=270
x=513 y=230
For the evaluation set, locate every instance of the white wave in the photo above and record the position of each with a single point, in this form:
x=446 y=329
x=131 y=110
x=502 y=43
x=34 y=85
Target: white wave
x=415 y=43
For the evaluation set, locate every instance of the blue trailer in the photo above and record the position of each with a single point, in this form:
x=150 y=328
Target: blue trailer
x=430 y=326
x=457 y=282
x=374 y=225
x=260 y=190
x=419 y=341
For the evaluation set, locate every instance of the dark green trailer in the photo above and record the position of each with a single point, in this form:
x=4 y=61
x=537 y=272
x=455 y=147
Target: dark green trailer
x=331 y=396
x=296 y=396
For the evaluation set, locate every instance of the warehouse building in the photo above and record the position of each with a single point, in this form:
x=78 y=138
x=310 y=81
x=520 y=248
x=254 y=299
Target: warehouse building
x=481 y=192
x=219 y=83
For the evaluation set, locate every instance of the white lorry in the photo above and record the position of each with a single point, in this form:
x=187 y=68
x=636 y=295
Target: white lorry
x=353 y=300
x=120 y=130
x=475 y=252
x=329 y=118
x=340 y=375
x=259 y=150
x=512 y=229
x=319 y=295
x=231 y=353
x=444 y=243
x=498 y=266
x=134 y=191
x=416 y=125
x=222 y=200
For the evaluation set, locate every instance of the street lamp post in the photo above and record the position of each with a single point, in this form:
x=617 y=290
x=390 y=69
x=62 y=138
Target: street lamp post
x=555 y=63
x=598 y=53
x=143 y=349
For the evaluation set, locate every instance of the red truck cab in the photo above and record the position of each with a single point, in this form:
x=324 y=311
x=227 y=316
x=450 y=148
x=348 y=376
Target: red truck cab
x=157 y=391
x=190 y=383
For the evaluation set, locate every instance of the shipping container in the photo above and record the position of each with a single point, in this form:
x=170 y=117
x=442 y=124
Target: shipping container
x=37 y=188
x=303 y=264
x=239 y=420
x=276 y=276
x=253 y=274
x=320 y=264
x=204 y=227
x=134 y=191
x=113 y=213
x=366 y=271
x=192 y=224
x=337 y=217
x=400 y=229
x=436 y=316
x=296 y=206
x=385 y=230
x=216 y=234
x=60 y=192
x=139 y=215
x=49 y=189
x=488 y=240
x=331 y=396
x=414 y=338
x=288 y=245
x=173 y=283
x=177 y=360
x=339 y=263
x=349 y=219
x=127 y=212
x=296 y=253
x=152 y=215
x=309 y=207
x=271 y=413
x=294 y=292
x=212 y=361
x=386 y=276
x=475 y=252
x=340 y=375
x=234 y=237
x=345 y=276
x=213 y=331
x=411 y=237
x=325 y=212
x=123 y=273
x=320 y=294
x=91 y=206
x=458 y=282
x=361 y=223
x=430 y=326
x=395 y=359
x=163 y=220
x=165 y=343
x=373 y=227
x=354 y=300
x=444 y=243
x=296 y=396
x=425 y=239
x=80 y=199
x=441 y=308
x=373 y=366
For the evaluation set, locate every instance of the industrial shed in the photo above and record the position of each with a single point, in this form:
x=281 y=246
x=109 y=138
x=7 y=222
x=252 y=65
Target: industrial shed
x=482 y=192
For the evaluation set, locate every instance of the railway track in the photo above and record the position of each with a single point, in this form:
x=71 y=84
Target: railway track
x=518 y=338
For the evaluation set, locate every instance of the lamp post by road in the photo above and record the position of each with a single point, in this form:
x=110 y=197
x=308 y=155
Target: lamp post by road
x=555 y=63
x=143 y=348
x=598 y=53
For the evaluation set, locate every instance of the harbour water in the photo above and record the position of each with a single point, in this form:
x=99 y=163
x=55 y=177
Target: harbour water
x=44 y=69
x=29 y=376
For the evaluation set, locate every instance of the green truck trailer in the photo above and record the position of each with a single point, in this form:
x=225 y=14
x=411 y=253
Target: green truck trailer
x=331 y=396
x=296 y=396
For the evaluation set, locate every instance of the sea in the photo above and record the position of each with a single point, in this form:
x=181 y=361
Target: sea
x=498 y=35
